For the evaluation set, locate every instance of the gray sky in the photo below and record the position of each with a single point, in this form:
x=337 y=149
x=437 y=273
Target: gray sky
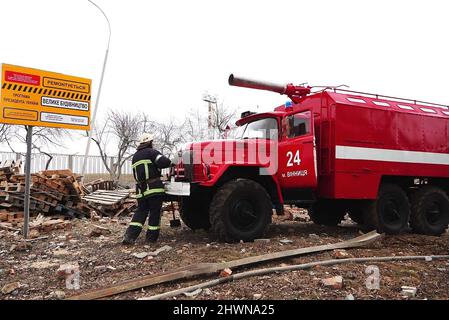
x=165 y=54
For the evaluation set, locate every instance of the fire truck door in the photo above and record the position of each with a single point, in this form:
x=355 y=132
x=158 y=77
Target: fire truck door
x=297 y=155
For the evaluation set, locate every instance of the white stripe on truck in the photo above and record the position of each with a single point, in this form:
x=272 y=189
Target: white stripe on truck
x=358 y=153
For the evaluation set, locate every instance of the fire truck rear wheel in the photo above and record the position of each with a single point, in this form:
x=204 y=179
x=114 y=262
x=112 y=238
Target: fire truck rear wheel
x=194 y=213
x=240 y=210
x=430 y=211
x=390 y=213
x=327 y=212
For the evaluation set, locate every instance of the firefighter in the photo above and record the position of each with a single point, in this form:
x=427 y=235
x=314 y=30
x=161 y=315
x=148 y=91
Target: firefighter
x=147 y=164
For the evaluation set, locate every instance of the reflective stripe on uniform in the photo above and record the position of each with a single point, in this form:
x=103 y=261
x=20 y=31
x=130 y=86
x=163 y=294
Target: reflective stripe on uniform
x=153 y=228
x=136 y=224
x=158 y=157
x=150 y=191
x=145 y=161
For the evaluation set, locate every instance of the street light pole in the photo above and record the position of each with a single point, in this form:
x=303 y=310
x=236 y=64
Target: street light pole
x=92 y=122
x=210 y=99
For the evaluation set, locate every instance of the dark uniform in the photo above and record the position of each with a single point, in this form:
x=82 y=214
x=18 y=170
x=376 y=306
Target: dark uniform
x=147 y=164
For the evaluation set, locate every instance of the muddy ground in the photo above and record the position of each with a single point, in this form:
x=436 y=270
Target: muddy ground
x=104 y=261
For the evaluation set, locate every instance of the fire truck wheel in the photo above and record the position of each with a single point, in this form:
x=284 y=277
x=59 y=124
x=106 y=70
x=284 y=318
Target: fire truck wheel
x=430 y=211
x=240 y=210
x=327 y=212
x=390 y=213
x=194 y=213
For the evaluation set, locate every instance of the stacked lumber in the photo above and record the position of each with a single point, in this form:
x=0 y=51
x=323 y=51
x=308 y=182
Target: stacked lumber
x=51 y=192
x=99 y=184
x=111 y=202
x=8 y=168
x=58 y=192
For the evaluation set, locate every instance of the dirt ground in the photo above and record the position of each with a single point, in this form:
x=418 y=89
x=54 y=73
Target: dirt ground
x=104 y=261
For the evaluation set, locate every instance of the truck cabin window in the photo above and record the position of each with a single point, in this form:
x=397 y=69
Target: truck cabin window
x=261 y=129
x=297 y=124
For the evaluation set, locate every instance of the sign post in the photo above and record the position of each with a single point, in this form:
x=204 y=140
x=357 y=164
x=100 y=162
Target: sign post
x=33 y=97
x=26 y=206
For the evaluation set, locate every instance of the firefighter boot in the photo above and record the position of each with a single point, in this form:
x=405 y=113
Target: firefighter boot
x=151 y=236
x=131 y=235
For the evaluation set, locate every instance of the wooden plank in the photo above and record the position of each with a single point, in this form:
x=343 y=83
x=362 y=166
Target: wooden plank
x=104 y=197
x=3 y=216
x=102 y=203
x=65 y=172
x=210 y=268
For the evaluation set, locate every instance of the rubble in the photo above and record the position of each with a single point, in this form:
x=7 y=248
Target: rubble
x=285 y=241
x=99 y=231
x=408 y=292
x=333 y=282
x=10 y=287
x=67 y=269
x=341 y=254
x=58 y=294
x=140 y=255
x=58 y=192
x=225 y=272
x=160 y=250
x=257 y=296
x=21 y=246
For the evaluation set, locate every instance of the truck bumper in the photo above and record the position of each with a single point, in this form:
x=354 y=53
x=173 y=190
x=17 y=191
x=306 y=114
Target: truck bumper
x=177 y=188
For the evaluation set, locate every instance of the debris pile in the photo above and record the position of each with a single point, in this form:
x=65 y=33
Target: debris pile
x=51 y=192
x=57 y=193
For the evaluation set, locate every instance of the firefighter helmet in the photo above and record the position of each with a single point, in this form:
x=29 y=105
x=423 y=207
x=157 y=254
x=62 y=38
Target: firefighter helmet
x=145 y=138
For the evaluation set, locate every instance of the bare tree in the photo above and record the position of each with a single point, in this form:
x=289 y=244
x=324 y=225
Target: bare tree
x=168 y=136
x=43 y=138
x=117 y=136
x=195 y=127
x=222 y=117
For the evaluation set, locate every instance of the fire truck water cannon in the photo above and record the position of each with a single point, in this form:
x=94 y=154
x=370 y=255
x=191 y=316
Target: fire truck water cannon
x=295 y=93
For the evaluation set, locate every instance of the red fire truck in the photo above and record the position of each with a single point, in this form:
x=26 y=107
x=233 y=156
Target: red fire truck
x=384 y=161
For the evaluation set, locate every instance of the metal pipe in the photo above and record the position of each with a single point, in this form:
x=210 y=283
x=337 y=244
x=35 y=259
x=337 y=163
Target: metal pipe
x=94 y=116
x=26 y=206
x=256 y=84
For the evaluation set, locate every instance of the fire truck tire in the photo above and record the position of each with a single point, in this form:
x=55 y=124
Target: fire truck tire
x=194 y=213
x=240 y=210
x=430 y=211
x=327 y=212
x=390 y=212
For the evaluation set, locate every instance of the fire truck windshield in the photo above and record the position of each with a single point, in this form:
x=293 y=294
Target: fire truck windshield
x=261 y=129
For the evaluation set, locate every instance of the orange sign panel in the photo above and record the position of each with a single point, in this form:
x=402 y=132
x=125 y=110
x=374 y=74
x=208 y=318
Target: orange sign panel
x=42 y=98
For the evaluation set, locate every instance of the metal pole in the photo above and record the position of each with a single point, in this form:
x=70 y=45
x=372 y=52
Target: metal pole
x=94 y=116
x=26 y=220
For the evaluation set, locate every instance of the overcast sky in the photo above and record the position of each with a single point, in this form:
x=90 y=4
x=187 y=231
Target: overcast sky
x=165 y=54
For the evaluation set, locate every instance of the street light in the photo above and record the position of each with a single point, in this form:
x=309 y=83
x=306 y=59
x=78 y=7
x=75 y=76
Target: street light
x=210 y=99
x=92 y=122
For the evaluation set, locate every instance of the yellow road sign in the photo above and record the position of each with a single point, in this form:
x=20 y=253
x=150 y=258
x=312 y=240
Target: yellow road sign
x=42 y=98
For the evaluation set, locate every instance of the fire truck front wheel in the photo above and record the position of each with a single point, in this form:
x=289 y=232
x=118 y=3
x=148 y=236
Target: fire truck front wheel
x=240 y=210
x=390 y=212
x=430 y=211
